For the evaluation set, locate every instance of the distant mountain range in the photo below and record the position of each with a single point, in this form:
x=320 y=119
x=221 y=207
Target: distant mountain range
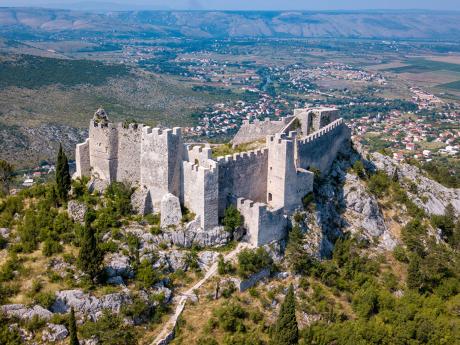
x=228 y=24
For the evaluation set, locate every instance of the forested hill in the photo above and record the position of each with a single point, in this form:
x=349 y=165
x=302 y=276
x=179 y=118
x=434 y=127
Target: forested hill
x=221 y=24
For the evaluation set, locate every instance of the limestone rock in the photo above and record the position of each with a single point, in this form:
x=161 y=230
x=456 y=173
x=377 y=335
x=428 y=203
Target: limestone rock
x=24 y=313
x=364 y=207
x=118 y=265
x=77 y=210
x=88 y=304
x=431 y=195
x=97 y=185
x=5 y=232
x=170 y=210
x=206 y=259
x=54 y=333
x=141 y=200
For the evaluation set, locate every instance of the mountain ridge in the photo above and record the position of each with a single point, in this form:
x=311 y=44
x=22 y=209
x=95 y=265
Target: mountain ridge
x=383 y=24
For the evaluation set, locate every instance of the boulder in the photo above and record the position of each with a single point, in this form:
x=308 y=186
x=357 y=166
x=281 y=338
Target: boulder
x=5 y=232
x=118 y=265
x=77 y=210
x=141 y=200
x=206 y=259
x=54 y=333
x=25 y=313
x=171 y=213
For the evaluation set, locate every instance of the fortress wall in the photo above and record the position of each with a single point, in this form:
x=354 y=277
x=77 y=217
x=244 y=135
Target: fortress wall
x=82 y=159
x=103 y=150
x=320 y=148
x=200 y=192
x=129 y=153
x=242 y=175
x=264 y=225
x=287 y=184
x=258 y=130
x=198 y=154
x=160 y=161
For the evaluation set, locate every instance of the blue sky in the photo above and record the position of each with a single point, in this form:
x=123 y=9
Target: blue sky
x=242 y=4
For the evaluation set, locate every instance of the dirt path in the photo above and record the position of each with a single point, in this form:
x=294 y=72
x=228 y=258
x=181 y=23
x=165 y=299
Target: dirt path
x=167 y=332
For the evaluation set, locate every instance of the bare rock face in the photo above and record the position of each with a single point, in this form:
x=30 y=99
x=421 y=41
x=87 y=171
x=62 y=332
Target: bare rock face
x=25 y=313
x=77 y=210
x=430 y=195
x=141 y=200
x=171 y=213
x=363 y=213
x=88 y=304
x=54 y=333
x=119 y=265
x=97 y=185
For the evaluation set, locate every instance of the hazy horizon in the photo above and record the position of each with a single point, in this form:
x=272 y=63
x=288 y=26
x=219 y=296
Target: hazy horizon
x=441 y=5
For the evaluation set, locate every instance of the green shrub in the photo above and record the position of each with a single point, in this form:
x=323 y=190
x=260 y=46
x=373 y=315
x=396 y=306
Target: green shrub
x=230 y=317
x=45 y=299
x=232 y=218
x=252 y=261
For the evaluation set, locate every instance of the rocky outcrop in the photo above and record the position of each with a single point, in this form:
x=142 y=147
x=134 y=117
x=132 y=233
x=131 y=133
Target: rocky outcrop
x=26 y=313
x=87 y=304
x=118 y=265
x=77 y=210
x=184 y=237
x=54 y=333
x=344 y=205
x=171 y=214
x=430 y=195
x=363 y=214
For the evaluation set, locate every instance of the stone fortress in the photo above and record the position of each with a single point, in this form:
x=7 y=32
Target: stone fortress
x=266 y=185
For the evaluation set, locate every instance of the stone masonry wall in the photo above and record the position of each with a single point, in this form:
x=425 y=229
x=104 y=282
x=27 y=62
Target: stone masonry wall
x=129 y=153
x=103 y=150
x=160 y=162
x=200 y=192
x=263 y=225
x=82 y=159
x=286 y=184
x=258 y=130
x=242 y=175
x=320 y=148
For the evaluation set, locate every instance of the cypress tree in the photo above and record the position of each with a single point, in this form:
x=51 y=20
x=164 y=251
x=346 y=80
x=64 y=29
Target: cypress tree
x=73 y=329
x=90 y=256
x=62 y=175
x=286 y=331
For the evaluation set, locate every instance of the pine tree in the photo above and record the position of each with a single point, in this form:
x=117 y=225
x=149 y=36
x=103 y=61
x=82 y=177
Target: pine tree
x=62 y=175
x=286 y=331
x=90 y=256
x=73 y=329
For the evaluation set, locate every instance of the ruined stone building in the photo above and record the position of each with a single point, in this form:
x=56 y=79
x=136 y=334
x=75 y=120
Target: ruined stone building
x=266 y=185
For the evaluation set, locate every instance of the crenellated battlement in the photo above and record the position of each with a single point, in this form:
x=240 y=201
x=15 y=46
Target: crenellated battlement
x=243 y=156
x=161 y=133
x=326 y=129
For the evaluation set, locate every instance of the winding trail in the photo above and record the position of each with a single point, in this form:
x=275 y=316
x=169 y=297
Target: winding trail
x=167 y=332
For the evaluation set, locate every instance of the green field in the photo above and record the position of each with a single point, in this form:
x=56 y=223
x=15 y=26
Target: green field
x=422 y=65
